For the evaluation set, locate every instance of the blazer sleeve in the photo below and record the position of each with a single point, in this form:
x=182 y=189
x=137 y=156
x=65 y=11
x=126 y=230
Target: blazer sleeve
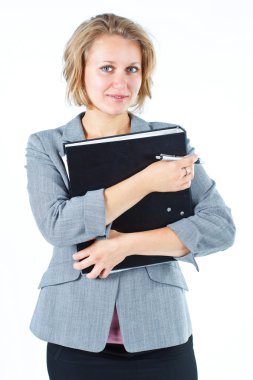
x=211 y=228
x=63 y=221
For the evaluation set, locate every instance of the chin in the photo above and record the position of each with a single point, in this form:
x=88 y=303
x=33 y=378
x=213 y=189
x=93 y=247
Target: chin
x=114 y=111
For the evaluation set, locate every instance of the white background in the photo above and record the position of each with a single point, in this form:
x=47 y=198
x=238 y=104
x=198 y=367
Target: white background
x=204 y=82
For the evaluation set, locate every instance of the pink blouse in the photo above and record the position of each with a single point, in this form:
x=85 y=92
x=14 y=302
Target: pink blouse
x=114 y=333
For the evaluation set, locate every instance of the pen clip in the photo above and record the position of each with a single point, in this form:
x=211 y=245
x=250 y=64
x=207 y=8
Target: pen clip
x=160 y=157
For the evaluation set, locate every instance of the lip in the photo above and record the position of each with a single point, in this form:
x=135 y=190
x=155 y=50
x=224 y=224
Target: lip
x=118 y=96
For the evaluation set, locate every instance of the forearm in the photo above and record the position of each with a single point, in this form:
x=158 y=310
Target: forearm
x=124 y=195
x=107 y=253
x=159 y=242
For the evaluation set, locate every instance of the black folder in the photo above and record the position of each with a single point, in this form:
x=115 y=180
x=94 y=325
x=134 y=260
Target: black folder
x=102 y=162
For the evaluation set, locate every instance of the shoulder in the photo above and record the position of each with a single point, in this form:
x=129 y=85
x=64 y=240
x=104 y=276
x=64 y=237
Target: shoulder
x=47 y=141
x=53 y=139
x=153 y=125
x=141 y=124
x=47 y=135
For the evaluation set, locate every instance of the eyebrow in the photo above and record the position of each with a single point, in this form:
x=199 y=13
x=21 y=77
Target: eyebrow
x=133 y=63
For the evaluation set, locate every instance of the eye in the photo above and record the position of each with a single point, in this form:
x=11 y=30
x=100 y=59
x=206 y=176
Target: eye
x=106 y=68
x=133 y=69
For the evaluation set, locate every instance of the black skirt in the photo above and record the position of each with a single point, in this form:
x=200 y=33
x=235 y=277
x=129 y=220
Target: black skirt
x=115 y=363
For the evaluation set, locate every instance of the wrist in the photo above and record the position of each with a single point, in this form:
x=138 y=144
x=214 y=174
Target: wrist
x=126 y=244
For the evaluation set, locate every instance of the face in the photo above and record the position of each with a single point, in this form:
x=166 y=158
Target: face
x=113 y=74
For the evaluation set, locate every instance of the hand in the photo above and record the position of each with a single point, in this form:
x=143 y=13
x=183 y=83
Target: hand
x=105 y=254
x=165 y=176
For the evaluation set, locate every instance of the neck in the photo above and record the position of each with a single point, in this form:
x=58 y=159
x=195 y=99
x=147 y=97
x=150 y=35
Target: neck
x=97 y=124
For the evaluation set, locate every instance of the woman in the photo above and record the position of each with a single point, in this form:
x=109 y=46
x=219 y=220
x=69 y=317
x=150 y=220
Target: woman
x=133 y=324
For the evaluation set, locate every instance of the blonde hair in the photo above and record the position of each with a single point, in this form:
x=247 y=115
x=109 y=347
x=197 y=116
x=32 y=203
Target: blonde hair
x=77 y=48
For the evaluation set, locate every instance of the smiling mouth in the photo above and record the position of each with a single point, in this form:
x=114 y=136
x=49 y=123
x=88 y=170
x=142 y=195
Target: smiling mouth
x=118 y=96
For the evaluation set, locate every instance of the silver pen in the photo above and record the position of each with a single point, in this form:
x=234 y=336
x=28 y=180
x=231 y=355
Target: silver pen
x=171 y=157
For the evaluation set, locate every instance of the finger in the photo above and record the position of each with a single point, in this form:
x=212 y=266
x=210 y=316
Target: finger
x=102 y=273
x=187 y=171
x=82 y=254
x=186 y=185
x=105 y=273
x=184 y=172
x=192 y=172
x=95 y=272
x=85 y=263
x=187 y=160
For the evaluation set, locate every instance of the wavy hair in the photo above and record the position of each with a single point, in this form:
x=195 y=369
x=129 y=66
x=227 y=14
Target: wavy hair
x=77 y=48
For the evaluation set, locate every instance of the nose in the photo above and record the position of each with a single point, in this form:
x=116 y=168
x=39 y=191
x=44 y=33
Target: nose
x=119 y=80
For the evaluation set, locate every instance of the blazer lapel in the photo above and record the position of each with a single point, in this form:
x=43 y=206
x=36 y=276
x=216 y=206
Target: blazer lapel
x=73 y=130
x=138 y=124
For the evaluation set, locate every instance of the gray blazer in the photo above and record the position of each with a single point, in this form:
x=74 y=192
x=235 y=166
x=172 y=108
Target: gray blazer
x=75 y=311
